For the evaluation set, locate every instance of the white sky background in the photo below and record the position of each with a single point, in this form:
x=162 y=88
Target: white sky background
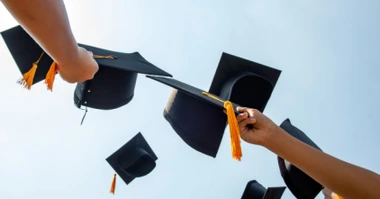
x=328 y=52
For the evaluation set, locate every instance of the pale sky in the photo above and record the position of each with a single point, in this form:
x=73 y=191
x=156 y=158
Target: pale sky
x=327 y=51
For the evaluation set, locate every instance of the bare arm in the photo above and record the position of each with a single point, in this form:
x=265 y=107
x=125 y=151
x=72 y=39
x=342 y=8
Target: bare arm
x=327 y=170
x=47 y=22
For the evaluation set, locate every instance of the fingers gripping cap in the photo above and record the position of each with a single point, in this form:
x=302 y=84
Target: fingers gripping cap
x=112 y=87
x=114 y=84
x=197 y=116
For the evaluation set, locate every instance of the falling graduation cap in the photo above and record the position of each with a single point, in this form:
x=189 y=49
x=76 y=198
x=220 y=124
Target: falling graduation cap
x=254 y=190
x=300 y=184
x=112 y=86
x=133 y=160
x=197 y=116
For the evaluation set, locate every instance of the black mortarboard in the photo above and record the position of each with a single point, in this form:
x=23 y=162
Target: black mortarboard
x=198 y=118
x=112 y=86
x=134 y=159
x=300 y=184
x=254 y=190
x=27 y=53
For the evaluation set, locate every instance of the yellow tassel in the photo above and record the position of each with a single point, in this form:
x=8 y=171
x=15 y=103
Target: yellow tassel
x=28 y=77
x=338 y=196
x=50 y=76
x=113 y=186
x=234 y=131
x=234 y=127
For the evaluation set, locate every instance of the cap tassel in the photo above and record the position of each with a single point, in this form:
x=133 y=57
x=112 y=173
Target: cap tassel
x=28 y=77
x=338 y=196
x=113 y=185
x=50 y=76
x=234 y=131
x=234 y=127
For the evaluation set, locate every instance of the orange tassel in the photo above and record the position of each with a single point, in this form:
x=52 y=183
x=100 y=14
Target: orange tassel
x=234 y=127
x=28 y=77
x=234 y=131
x=113 y=186
x=338 y=196
x=50 y=76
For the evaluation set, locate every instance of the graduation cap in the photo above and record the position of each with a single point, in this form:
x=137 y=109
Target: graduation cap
x=197 y=116
x=133 y=160
x=112 y=86
x=299 y=183
x=254 y=190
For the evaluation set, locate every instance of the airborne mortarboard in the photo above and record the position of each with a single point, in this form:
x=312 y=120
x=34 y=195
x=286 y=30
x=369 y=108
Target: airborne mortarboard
x=197 y=116
x=300 y=184
x=135 y=159
x=254 y=190
x=112 y=86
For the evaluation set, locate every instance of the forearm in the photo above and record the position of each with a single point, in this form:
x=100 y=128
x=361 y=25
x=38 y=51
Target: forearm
x=343 y=178
x=47 y=22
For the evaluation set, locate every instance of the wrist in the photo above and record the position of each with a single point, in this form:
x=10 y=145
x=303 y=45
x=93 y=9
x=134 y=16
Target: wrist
x=274 y=138
x=68 y=58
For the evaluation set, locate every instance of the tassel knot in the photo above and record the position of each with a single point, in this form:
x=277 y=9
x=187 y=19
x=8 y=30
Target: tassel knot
x=234 y=127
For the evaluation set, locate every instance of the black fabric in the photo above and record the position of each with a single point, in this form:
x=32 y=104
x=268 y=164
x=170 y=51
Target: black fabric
x=300 y=184
x=244 y=82
x=199 y=119
x=110 y=89
x=134 y=159
x=25 y=51
x=203 y=134
x=254 y=190
x=274 y=192
x=113 y=85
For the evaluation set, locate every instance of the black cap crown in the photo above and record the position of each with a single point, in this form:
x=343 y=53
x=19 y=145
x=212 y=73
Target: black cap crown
x=197 y=116
x=254 y=190
x=113 y=85
x=134 y=159
x=299 y=183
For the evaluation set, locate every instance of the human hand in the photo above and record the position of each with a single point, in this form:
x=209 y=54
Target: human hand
x=262 y=126
x=79 y=68
x=327 y=193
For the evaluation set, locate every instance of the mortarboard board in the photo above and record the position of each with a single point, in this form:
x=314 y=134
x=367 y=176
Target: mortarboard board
x=198 y=117
x=135 y=159
x=112 y=86
x=254 y=190
x=300 y=184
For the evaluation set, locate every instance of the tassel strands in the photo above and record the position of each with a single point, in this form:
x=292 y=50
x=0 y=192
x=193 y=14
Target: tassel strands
x=234 y=131
x=337 y=196
x=50 y=76
x=234 y=127
x=113 y=185
x=28 y=77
